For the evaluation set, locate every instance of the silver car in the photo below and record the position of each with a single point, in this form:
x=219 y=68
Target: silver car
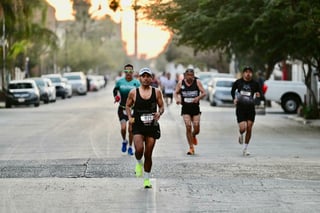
x=219 y=91
x=78 y=82
x=22 y=92
x=51 y=89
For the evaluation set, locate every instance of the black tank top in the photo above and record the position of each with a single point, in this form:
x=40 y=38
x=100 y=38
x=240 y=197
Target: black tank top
x=144 y=108
x=188 y=93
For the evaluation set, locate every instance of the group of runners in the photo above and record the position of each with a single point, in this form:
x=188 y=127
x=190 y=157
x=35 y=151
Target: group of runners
x=141 y=106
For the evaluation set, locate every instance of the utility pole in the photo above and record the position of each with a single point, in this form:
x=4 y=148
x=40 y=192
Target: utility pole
x=3 y=43
x=135 y=8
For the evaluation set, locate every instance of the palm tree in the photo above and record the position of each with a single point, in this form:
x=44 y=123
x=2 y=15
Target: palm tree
x=24 y=32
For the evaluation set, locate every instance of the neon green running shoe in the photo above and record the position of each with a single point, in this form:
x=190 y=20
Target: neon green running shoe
x=138 y=170
x=147 y=184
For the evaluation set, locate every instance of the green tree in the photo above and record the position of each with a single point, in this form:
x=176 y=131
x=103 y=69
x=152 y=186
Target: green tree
x=26 y=36
x=261 y=33
x=91 y=44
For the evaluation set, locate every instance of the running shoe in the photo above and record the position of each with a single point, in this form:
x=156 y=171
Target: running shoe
x=241 y=139
x=130 y=151
x=147 y=184
x=195 y=141
x=191 y=151
x=124 y=146
x=138 y=170
x=245 y=152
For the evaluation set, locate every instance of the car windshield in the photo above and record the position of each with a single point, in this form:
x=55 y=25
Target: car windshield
x=40 y=82
x=55 y=79
x=73 y=77
x=21 y=86
x=224 y=83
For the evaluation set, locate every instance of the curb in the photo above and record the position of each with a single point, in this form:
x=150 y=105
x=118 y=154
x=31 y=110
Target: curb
x=315 y=122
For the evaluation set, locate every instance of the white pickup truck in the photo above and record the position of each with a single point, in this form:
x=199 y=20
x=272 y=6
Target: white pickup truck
x=289 y=94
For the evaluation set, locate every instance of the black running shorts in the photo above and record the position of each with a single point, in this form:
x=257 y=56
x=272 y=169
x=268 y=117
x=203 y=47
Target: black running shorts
x=121 y=114
x=245 y=114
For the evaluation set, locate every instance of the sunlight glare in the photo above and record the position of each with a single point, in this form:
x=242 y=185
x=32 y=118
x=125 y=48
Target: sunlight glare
x=151 y=39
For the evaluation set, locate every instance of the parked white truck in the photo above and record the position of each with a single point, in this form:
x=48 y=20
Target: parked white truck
x=289 y=94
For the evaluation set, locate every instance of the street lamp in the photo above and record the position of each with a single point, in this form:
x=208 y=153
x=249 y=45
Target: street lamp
x=27 y=67
x=4 y=43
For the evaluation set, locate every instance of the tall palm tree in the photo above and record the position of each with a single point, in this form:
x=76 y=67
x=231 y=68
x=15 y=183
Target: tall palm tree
x=24 y=32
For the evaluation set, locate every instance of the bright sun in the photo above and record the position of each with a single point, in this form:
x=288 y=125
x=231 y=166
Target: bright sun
x=151 y=39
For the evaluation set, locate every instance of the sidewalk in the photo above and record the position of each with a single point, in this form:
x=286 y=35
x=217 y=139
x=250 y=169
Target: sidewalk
x=309 y=122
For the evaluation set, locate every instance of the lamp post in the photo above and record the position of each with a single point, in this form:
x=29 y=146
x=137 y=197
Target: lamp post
x=135 y=8
x=27 y=67
x=3 y=44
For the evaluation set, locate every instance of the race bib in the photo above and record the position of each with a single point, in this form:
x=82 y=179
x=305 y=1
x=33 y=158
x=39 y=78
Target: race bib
x=245 y=93
x=188 y=100
x=147 y=119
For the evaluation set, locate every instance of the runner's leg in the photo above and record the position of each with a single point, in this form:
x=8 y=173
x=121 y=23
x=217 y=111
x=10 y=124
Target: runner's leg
x=248 y=131
x=196 y=124
x=138 y=145
x=187 y=122
x=149 y=145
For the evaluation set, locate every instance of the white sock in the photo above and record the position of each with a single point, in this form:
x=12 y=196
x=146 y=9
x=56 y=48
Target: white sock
x=146 y=175
x=139 y=161
x=245 y=145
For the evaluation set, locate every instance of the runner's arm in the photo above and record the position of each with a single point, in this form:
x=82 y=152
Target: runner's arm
x=202 y=91
x=160 y=104
x=130 y=103
x=176 y=93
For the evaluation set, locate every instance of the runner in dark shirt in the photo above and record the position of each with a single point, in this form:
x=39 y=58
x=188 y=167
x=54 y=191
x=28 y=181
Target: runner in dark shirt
x=243 y=92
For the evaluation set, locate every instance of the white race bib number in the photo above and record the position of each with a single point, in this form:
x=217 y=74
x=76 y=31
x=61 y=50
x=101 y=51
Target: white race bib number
x=188 y=100
x=245 y=93
x=147 y=119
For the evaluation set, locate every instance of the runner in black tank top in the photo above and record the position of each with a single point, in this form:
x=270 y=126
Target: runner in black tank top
x=145 y=127
x=188 y=93
x=143 y=111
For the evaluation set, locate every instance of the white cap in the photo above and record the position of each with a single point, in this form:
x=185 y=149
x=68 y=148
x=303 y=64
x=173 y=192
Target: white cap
x=145 y=70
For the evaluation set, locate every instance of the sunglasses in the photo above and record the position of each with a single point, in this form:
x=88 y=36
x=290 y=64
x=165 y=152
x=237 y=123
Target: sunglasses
x=128 y=71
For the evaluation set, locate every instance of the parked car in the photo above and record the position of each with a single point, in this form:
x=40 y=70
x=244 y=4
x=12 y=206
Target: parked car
x=51 y=89
x=43 y=88
x=68 y=87
x=56 y=79
x=96 y=82
x=22 y=92
x=78 y=82
x=208 y=82
x=220 y=91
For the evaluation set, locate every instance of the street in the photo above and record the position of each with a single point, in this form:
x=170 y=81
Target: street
x=66 y=157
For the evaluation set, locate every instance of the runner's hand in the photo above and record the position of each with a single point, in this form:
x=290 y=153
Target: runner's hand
x=117 y=99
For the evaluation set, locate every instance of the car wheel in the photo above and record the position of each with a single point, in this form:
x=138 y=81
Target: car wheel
x=7 y=105
x=37 y=104
x=290 y=104
x=212 y=103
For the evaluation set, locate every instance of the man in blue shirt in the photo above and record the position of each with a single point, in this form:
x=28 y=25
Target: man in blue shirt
x=120 y=94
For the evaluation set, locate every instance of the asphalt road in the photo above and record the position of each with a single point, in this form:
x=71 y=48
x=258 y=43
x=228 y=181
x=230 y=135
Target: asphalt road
x=65 y=157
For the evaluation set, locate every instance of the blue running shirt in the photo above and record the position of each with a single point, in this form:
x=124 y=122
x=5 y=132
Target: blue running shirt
x=124 y=87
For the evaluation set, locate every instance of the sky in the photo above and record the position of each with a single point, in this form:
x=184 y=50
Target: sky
x=151 y=39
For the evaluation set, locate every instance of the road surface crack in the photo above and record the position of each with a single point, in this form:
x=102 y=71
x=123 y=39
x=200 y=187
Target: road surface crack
x=86 y=164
